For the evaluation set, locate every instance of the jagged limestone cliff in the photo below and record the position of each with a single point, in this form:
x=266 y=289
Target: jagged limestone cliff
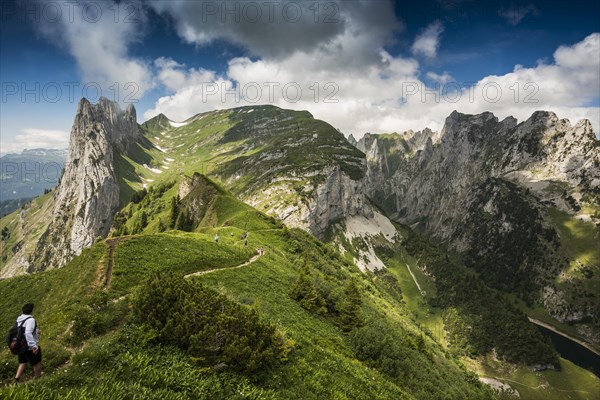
x=80 y=209
x=490 y=190
x=88 y=194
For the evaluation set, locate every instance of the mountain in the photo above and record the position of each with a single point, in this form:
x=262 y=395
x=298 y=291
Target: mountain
x=274 y=209
x=83 y=307
x=283 y=162
x=30 y=173
x=503 y=195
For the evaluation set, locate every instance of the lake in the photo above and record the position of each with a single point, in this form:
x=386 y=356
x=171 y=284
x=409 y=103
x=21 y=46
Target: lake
x=573 y=351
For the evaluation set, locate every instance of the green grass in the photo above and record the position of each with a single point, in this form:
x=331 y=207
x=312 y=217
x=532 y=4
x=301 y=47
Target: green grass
x=322 y=365
x=580 y=239
x=180 y=252
x=427 y=316
x=325 y=363
x=571 y=382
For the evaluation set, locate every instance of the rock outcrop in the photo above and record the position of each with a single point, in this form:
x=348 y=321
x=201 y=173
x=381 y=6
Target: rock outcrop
x=88 y=193
x=482 y=187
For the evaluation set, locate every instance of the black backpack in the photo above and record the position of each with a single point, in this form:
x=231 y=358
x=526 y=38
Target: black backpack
x=15 y=340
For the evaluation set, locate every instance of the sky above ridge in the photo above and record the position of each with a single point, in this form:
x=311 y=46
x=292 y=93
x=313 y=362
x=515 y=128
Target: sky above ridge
x=361 y=65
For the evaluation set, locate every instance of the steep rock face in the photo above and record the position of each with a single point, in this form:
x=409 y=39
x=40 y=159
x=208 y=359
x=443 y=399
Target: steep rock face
x=88 y=193
x=432 y=185
x=196 y=194
x=314 y=208
x=483 y=187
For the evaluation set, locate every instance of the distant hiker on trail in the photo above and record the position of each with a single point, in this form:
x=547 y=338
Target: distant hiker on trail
x=245 y=235
x=246 y=243
x=217 y=238
x=32 y=352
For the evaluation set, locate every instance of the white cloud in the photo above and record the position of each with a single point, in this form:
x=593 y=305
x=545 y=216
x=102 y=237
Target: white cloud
x=428 y=42
x=514 y=15
x=380 y=96
x=98 y=35
x=33 y=138
x=441 y=79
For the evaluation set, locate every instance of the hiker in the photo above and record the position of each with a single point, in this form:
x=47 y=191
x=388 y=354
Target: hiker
x=216 y=238
x=244 y=235
x=246 y=243
x=33 y=354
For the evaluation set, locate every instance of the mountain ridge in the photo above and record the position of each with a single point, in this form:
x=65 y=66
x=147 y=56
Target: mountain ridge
x=263 y=171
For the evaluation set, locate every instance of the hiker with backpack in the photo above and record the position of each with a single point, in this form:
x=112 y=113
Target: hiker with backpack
x=23 y=340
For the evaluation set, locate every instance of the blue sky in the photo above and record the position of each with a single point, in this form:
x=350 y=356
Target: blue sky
x=360 y=65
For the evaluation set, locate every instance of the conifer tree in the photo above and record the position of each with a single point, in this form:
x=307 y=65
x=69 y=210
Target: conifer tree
x=305 y=293
x=349 y=308
x=174 y=211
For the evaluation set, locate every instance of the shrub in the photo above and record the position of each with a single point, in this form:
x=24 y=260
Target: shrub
x=305 y=293
x=96 y=315
x=216 y=332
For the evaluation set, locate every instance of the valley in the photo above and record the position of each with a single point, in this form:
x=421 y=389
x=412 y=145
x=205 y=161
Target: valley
x=436 y=310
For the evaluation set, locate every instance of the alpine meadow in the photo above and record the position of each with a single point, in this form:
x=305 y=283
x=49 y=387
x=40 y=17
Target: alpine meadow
x=300 y=200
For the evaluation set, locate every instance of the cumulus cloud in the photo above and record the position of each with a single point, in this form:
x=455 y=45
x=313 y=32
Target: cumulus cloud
x=387 y=94
x=440 y=78
x=428 y=42
x=33 y=138
x=514 y=15
x=98 y=36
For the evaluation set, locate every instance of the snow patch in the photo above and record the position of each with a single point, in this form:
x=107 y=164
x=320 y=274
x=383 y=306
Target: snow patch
x=155 y=170
x=169 y=159
x=177 y=124
x=160 y=148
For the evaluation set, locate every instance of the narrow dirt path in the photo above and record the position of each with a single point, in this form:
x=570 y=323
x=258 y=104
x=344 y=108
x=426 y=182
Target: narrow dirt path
x=250 y=261
x=112 y=245
x=111 y=254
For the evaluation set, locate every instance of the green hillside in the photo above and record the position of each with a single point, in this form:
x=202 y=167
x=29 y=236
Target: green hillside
x=95 y=348
x=161 y=309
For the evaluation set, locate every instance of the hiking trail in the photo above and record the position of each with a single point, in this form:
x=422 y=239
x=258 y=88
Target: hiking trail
x=208 y=271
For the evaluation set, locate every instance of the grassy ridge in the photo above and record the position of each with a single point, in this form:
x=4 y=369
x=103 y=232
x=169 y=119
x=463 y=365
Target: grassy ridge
x=114 y=360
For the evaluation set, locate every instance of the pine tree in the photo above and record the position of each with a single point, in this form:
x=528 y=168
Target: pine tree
x=5 y=233
x=144 y=220
x=184 y=222
x=305 y=293
x=174 y=211
x=349 y=308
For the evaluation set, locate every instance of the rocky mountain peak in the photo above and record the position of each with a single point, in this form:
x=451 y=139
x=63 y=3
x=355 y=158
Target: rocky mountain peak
x=88 y=193
x=352 y=140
